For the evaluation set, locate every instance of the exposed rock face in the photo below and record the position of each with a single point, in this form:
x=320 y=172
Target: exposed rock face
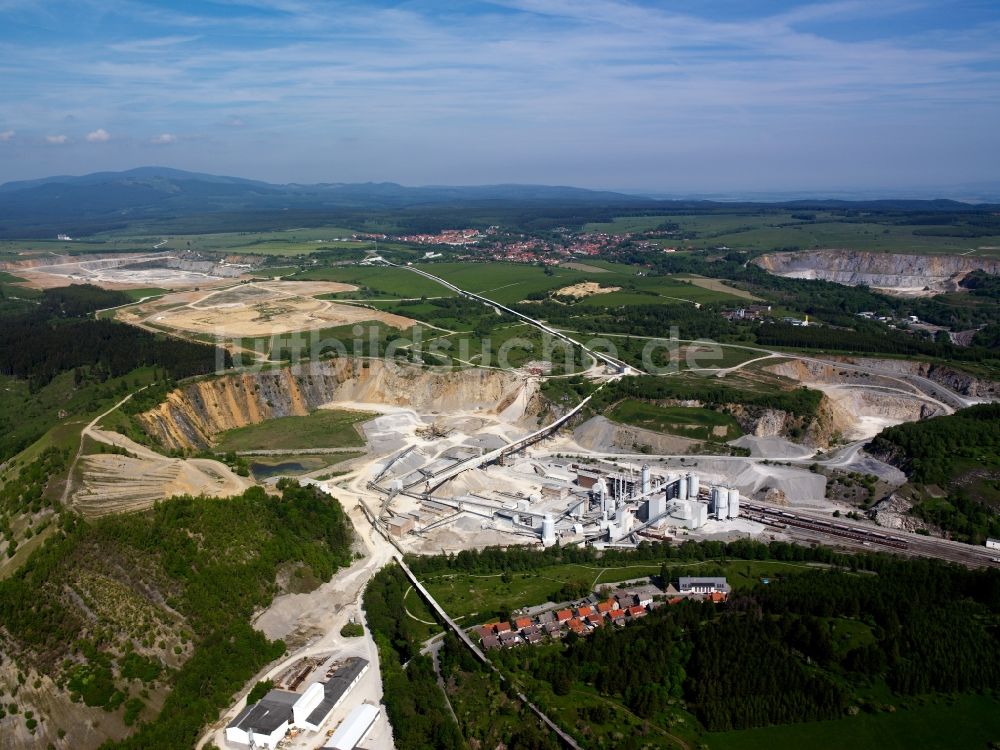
x=601 y=434
x=889 y=271
x=858 y=405
x=190 y=416
x=893 y=512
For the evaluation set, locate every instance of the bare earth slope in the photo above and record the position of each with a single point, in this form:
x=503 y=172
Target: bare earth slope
x=192 y=415
x=888 y=271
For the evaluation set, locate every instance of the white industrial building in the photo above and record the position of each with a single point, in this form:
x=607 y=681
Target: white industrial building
x=993 y=543
x=265 y=723
x=694 y=585
x=354 y=728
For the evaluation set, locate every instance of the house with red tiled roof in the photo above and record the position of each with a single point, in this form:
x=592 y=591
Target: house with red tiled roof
x=584 y=611
x=576 y=626
x=595 y=619
x=606 y=606
x=521 y=623
x=636 y=611
x=502 y=627
x=564 y=615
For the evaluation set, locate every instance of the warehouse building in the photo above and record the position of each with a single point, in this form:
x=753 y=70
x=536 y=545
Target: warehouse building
x=354 y=728
x=334 y=691
x=263 y=724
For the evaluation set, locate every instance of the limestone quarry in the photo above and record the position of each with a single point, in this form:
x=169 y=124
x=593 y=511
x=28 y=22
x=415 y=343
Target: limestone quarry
x=891 y=272
x=193 y=414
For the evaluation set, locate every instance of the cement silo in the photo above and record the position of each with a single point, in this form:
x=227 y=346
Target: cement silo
x=548 y=530
x=646 y=483
x=692 y=486
x=682 y=488
x=720 y=503
x=734 y=503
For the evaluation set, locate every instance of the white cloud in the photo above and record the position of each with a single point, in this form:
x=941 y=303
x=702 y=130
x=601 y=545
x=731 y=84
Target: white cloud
x=99 y=136
x=6 y=136
x=163 y=139
x=56 y=140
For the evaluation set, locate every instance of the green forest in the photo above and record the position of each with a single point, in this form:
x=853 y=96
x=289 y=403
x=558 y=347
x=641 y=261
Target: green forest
x=213 y=562
x=847 y=636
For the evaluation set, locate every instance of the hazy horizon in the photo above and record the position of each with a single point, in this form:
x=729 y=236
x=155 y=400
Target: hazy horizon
x=826 y=98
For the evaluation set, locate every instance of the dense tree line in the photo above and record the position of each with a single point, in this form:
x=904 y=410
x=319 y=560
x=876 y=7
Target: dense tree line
x=779 y=652
x=214 y=561
x=929 y=450
x=413 y=701
x=942 y=451
x=37 y=349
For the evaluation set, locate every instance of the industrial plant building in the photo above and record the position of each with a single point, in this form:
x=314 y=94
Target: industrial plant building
x=265 y=723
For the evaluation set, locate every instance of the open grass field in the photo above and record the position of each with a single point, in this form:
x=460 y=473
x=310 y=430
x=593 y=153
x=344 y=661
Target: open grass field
x=700 y=424
x=964 y=723
x=288 y=242
x=510 y=283
x=324 y=428
x=770 y=230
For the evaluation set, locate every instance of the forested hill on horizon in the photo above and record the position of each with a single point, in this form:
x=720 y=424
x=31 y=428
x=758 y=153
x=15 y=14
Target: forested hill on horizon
x=158 y=197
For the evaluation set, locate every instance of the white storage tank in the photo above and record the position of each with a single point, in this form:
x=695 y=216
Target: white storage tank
x=682 y=488
x=734 y=503
x=548 y=530
x=646 y=484
x=722 y=506
x=692 y=486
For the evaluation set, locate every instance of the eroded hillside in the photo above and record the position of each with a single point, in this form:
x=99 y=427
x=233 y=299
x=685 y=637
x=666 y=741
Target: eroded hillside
x=193 y=414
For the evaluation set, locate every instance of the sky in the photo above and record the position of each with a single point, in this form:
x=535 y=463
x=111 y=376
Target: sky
x=679 y=97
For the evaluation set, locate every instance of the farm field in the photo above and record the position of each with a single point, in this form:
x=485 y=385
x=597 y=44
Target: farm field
x=968 y=721
x=768 y=231
x=696 y=423
x=288 y=242
x=324 y=428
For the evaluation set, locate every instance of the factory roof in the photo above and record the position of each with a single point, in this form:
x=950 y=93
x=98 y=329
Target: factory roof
x=336 y=687
x=717 y=582
x=269 y=713
x=354 y=727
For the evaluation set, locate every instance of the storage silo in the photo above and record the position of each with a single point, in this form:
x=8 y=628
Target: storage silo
x=721 y=504
x=656 y=506
x=548 y=530
x=646 y=485
x=682 y=488
x=734 y=503
x=692 y=486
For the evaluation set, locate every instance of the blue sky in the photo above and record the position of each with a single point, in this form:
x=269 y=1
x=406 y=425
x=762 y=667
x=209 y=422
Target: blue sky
x=693 y=96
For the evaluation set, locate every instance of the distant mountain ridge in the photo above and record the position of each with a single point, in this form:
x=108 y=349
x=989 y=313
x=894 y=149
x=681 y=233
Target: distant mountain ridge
x=158 y=195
